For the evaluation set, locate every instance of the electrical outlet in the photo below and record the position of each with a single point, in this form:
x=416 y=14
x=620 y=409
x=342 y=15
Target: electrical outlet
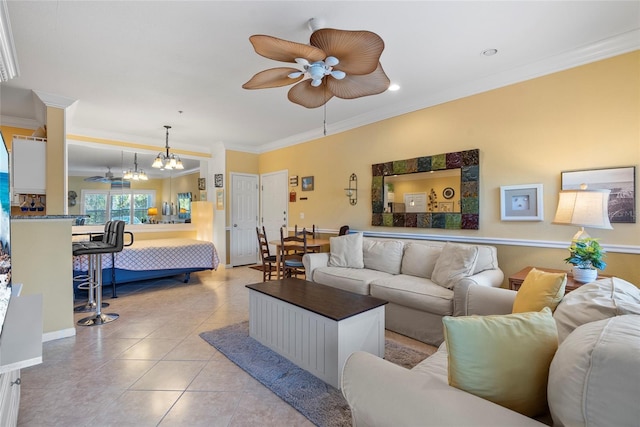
x=301 y=215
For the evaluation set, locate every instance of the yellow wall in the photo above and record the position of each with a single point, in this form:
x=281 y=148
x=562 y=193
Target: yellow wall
x=583 y=118
x=8 y=132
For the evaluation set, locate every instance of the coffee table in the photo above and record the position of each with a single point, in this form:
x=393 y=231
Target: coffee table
x=315 y=326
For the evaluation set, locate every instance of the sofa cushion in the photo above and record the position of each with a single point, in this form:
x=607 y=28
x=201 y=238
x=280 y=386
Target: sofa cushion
x=383 y=255
x=455 y=262
x=419 y=260
x=346 y=251
x=487 y=259
x=593 y=379
x=415 y=292
x=354 y=280
x=540 y=289
x=598 y=300
x=503 y=358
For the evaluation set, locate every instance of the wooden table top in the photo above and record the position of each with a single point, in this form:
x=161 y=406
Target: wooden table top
x=326 y=301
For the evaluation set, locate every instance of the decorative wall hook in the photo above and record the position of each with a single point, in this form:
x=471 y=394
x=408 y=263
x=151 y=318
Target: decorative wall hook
x=352 y=191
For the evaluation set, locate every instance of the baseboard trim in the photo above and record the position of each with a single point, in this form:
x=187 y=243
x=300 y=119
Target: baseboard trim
x=55 y=335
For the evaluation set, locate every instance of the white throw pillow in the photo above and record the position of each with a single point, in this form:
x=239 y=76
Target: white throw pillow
x=383 y=255
x=593 y=378
x=593 y=301
x=346 y=251
x=419 y=260
x=455 y=262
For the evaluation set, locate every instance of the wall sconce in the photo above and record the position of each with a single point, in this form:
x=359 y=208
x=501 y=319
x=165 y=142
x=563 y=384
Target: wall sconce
x=352 y=191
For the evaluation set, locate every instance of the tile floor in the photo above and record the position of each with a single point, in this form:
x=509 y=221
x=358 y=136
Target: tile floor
x=150 y=367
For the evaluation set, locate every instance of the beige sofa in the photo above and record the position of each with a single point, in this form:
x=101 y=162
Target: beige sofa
x=422 y=280
x=594 y=376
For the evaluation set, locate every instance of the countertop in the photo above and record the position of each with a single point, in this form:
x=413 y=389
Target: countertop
x=41 y=217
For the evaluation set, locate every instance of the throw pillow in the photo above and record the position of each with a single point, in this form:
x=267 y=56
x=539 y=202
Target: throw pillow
x=383 y=255
x=540 y=289
x=597 y=300
x=346 y=251
x=593 y=379
x=455 y=262
x=503 y=358
x=419 y=260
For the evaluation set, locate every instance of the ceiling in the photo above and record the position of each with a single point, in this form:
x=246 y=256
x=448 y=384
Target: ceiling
x=133 y=65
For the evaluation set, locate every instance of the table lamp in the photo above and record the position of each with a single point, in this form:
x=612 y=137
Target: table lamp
x=151 y=213
x=583 y=208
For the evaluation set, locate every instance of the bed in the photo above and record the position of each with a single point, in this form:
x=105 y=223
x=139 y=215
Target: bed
x=152 y=259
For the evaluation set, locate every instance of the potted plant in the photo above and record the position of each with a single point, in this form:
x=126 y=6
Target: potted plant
x=586 y=258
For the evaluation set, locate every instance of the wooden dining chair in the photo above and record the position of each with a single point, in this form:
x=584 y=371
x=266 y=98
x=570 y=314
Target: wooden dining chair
x=311 y=234
x=268 y=260
x=291 y=257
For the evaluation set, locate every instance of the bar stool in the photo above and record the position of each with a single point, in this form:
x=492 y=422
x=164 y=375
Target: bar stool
x=112 y=242
x=86 y=279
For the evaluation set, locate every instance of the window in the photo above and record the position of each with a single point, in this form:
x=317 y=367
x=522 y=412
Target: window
x=129 y=206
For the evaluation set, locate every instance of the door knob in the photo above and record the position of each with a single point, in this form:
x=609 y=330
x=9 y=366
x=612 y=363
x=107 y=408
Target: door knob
x=235 y=225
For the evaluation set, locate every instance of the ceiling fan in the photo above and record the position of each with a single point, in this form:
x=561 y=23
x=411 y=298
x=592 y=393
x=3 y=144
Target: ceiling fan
x=108 y=177
x=340 y=63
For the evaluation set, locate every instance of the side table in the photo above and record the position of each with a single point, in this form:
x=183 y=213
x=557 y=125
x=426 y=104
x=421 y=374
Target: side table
x=516 y=280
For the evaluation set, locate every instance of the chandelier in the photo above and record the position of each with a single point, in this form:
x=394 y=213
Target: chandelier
x=135 y=174
x=167 y=161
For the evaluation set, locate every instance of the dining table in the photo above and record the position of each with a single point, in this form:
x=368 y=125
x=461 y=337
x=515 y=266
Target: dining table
x=312 y=244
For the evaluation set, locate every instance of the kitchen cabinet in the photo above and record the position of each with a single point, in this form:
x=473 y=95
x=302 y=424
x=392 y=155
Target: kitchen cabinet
x=28 y=165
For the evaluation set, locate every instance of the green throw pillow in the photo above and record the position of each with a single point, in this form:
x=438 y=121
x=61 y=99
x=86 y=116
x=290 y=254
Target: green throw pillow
x=503 y=358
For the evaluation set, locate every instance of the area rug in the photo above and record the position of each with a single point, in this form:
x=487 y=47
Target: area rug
x=321 y=403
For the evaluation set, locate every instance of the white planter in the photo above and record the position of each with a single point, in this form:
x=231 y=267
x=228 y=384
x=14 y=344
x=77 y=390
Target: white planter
x=584 y=275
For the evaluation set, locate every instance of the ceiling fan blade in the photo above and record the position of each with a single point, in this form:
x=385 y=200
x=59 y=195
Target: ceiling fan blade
x=354 y=86
x=284 y=50
x=308 y=96
x=94 y=179
x=273 y=77
x=358 y=51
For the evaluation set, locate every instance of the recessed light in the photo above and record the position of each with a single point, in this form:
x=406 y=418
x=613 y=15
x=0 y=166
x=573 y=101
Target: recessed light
x=394 y=87
x=489 y=52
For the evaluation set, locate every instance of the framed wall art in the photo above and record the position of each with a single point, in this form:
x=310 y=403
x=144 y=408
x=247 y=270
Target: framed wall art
x=202 y=183
x=521 y=202
x=307 y=183
x=622 y=183
x=217 y=179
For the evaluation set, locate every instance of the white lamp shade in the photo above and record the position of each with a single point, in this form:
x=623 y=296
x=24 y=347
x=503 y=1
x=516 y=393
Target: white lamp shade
x=584 y=208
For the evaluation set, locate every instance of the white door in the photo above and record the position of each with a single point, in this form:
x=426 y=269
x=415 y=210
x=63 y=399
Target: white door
x=275 y=203
x=244 y=219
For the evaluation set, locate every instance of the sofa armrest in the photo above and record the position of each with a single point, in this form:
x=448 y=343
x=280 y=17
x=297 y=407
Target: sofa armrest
x=481 y=300
x=383 y=394
x=311 y=261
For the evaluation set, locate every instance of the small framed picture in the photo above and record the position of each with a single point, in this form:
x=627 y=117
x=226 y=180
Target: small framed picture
x=307 y=183
x=293 y=180
x=218 y=180
x=220 y=200
x=521 y=202
x=202 y=183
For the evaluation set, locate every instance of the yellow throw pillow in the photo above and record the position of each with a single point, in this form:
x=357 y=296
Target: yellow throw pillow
x=503 y=358
x=540 y=289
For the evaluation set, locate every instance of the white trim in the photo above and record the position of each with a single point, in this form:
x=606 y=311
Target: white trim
x=623 y=249
x=19 y=122
x=55 y=335
x=20 y=365
x=53 y=100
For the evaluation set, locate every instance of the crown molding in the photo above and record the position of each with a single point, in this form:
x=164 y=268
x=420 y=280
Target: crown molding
x=53 y=100
x=19 y=122
x=603 y=49
x=8 y=60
